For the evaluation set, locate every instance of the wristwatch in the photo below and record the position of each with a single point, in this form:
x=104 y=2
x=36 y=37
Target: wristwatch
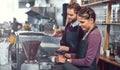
x=68 y=60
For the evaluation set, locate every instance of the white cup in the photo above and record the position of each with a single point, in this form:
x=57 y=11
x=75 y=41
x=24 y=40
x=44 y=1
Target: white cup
x=107 y=53
x=52 y=58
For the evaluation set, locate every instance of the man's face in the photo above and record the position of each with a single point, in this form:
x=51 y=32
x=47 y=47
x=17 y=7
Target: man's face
x=71 y=15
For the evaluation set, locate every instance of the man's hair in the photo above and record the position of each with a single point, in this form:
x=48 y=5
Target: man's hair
x=87 y=13
x=74 y=6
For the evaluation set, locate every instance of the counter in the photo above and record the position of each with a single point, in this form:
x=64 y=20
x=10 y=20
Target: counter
x=108 y=63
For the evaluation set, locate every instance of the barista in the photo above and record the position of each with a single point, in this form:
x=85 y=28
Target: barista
x=16 y=25
x=89 y=50
x=73 y=32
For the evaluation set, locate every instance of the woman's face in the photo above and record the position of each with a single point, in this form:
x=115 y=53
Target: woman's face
x=84 y=23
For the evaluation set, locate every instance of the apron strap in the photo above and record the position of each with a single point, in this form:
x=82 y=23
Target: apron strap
x=87 y=34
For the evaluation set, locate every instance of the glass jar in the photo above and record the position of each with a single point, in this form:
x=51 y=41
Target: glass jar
x=117 y=50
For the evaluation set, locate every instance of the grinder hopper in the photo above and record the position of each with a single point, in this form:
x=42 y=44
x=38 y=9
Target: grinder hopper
x=30 y=44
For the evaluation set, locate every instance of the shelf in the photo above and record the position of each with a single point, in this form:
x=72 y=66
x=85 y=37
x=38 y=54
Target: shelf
x=107 y=21
x=108 y=24
x=98 y=2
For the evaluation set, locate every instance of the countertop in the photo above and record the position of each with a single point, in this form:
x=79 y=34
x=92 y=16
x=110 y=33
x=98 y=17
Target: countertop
x=110 y=60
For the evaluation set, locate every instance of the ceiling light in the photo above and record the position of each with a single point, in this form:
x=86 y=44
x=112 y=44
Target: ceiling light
x=27 y=5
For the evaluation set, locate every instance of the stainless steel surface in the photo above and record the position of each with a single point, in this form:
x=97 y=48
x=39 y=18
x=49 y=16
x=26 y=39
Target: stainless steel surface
x=40 y=17
x=5 y=67
x=45 y=66
x=48 y=48
x=5 y=62
x=29 y=66
x=26 y=0
x=4 y=52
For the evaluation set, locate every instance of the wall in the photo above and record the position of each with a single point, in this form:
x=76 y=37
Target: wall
x=19 y=13
x=59 y=4
x=55 y=3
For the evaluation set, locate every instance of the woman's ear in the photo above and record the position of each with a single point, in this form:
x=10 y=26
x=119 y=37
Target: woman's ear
x=91 y=20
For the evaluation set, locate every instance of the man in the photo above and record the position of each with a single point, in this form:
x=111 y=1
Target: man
x=16 y=25
x=73 y=32
x=89 y=49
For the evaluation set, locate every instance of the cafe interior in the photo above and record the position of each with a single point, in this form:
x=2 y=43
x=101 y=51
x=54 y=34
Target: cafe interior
x=41 y=23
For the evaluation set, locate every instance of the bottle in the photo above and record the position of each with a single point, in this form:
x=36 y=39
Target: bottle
x=41 y=28
x=111 y=49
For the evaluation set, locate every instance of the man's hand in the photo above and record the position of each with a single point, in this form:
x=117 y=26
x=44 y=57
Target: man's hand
x=67 y=55
x=63 y=48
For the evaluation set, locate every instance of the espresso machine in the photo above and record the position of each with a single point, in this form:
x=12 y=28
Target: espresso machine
x=27 y=45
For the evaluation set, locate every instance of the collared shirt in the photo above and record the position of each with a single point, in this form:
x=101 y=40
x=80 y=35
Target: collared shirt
x=74 y=24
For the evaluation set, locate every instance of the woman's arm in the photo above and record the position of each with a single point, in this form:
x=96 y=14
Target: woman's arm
x=93 y=48
x=70 y=55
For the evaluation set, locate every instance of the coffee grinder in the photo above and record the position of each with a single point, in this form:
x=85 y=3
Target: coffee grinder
x=29 y=42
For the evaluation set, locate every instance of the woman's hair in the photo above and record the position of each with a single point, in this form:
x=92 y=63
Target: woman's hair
x=74 y=6
x=87 y=13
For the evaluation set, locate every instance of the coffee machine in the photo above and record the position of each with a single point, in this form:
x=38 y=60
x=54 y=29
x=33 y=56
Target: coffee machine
x=27 y=45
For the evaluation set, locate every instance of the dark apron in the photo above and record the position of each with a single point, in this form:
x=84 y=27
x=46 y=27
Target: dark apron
x=81 y=54
x=72 y=38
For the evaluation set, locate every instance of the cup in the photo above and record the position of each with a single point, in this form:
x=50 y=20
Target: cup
x=52 y=58
x=107 y=53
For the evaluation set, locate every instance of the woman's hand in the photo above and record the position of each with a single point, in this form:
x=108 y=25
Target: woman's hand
x=63 y=48
x=60 y=59
x=67 y=55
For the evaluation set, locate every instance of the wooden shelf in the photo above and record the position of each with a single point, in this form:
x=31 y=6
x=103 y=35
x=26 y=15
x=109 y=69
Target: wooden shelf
x=106 y=63
x=98 y=2
x=108 y=24
x=108 y=17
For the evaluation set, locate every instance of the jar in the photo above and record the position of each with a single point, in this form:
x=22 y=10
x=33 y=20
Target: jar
x=117 y=50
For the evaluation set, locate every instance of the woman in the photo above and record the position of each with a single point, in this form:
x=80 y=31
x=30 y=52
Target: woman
x=89 y=50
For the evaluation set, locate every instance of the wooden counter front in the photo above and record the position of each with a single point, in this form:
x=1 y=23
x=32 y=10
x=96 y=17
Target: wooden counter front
x=108 y=63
